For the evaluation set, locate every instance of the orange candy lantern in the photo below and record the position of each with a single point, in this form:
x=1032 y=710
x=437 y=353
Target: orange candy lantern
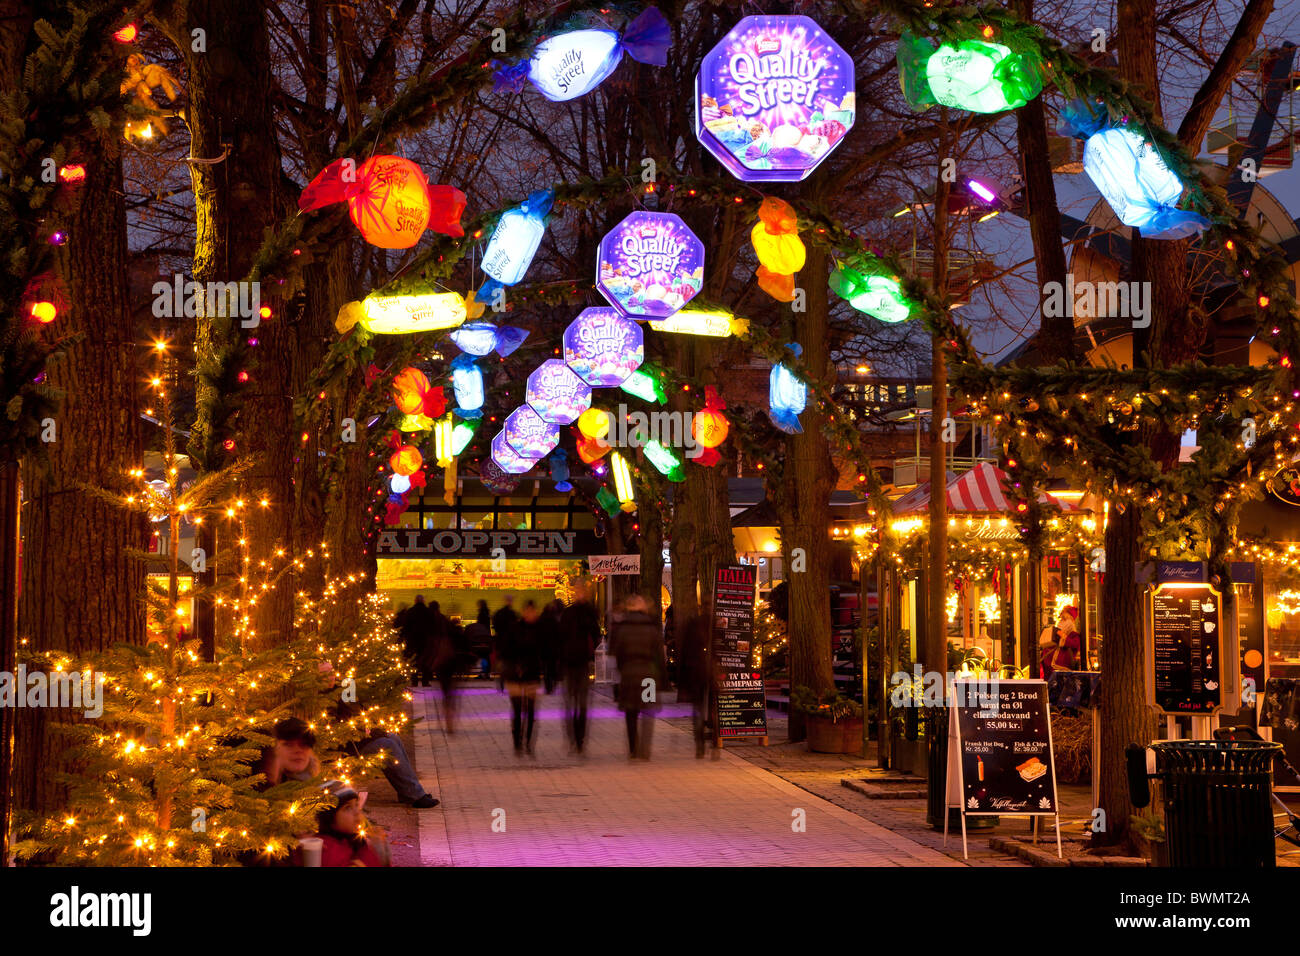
x=709 y=427
x=389 y=200
x=592 y=450
x=409 y=387
x=407 y=460
x=780 y=251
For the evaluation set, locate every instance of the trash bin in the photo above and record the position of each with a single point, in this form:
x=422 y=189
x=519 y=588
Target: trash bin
x=1217 y=801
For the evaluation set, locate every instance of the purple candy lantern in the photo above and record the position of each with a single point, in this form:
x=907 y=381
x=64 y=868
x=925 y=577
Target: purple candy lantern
x=773 y=98
x=509 y=460
x=603 y=347
x=650 y=265
x=556 y=393
x=529 y=435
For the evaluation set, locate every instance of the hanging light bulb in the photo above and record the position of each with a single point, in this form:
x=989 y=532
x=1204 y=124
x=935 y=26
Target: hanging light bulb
x=622 y=482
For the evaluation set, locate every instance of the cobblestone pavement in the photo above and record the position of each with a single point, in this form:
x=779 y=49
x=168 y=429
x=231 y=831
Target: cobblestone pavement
x=562 y=809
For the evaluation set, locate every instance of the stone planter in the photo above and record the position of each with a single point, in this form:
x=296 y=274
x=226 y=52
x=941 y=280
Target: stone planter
x=907 y=756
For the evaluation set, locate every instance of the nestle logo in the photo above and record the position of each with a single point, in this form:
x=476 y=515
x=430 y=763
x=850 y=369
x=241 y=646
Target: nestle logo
x=767 y=44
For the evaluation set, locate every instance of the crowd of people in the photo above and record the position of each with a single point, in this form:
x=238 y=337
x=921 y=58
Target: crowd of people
x=533 y=650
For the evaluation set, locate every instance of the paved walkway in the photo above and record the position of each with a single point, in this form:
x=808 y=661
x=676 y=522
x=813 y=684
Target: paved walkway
x=601 y=809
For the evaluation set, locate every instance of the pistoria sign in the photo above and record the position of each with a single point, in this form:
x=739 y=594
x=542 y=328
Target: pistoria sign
x=413 y=542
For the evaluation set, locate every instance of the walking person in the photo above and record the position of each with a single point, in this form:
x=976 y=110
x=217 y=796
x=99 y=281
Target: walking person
x=579 y=637
x=693 y=678
x=417 y=628
x=637 y=644
x=504 y=623
x=479 y=636
x=440 y=660
x=521 y=669
x=548 y=631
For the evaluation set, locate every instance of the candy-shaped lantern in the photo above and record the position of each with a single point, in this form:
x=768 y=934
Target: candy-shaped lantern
x=528 y=434
x=871 y=289
x=467 y=384
x=710 y=322
x=496 y=480
x=400 y=314
x=594 y=423
x=509 y=460
x=480 y=338
x=972 y=75
x=787 y=396
x=560 y=470
x=591 y=450
x=399 y=484
x=650 y=265
x=646 y=384
x=389 y=199
x=622 y=482
x=780 y=251
x=409 y=386
x=1141 y=189
x=709 y=426
x=773 y=98
x=514 y=242
x=572 y=64
x=556 y=393
x=665 y=461
x=442 y=440
x=407 y=460
x=603 y=347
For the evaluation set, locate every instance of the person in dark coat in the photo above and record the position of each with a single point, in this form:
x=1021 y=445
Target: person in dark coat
x=417 y=628
x=693 y=679
x=579 y=637
x=637 y=643
x=549 y=637
x=479 y=637
x=504 y=623
x=440 y=659
x=519 y=651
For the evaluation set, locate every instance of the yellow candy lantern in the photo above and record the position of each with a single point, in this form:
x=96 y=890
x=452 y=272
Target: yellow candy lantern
x=409 y=387
x=407 y=460
x=780 y=251
x=594 y=423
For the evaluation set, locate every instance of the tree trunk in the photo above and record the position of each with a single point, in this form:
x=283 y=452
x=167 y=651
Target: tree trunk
x=237 y=200
x=81 y=591
x=807 y=480
x=715 y=544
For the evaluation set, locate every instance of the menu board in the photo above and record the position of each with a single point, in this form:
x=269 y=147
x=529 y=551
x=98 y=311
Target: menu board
x=1003 y=748
x=741 y=703
x=1185 y=649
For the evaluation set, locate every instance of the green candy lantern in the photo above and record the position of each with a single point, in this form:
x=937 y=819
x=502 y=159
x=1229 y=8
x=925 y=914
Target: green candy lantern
x=872 y=289
x=974 y=75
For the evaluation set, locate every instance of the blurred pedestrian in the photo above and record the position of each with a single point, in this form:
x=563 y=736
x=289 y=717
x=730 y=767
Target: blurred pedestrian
x=504 y=623
x=521 y=669
x=693 y=678
x=548 y=630
x=417 y=627
x=637 y=643
x=440 y=660
x=579 y=637
x=479 y=636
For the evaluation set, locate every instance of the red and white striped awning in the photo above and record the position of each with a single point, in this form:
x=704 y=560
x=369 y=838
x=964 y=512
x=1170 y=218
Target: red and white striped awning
x=978 y=491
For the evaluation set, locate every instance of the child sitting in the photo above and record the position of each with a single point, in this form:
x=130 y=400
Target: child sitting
x=340 y=830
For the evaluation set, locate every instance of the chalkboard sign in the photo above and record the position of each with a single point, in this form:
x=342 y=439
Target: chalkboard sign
x=740 y=704
x=1002 y=750
x=1185 y=649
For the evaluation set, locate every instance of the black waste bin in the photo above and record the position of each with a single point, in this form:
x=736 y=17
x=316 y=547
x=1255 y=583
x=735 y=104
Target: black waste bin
x=1217 y=802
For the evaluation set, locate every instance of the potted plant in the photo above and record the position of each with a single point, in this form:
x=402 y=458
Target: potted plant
x=833 y=721
x=906 y=741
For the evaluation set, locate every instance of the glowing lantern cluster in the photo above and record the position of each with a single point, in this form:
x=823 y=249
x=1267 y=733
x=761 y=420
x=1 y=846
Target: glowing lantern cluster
x=574 y=63
x=974 y=75
x=780 y=251
x=773 y=98
x=389 y=200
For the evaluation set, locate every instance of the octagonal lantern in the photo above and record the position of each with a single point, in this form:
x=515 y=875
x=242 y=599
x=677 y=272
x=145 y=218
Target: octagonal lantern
x=509 y=460
x=529 y=435
x=556 y=393
x=650 y=265
x=773 y=98
x=603 y=347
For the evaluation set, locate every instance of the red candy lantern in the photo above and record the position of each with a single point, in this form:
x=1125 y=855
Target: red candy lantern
x=389 y=199
x=709 y=427
x=407 y=460
x=409 y=387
